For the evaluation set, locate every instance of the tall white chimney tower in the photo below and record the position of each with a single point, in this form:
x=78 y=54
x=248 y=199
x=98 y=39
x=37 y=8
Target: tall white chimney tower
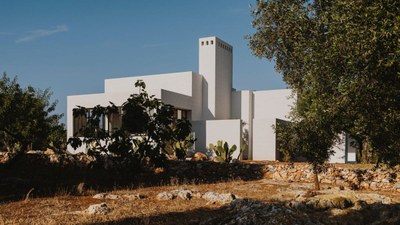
x=215 y=64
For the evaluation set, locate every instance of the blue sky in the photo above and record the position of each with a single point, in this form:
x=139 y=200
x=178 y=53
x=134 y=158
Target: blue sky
x=72 y=46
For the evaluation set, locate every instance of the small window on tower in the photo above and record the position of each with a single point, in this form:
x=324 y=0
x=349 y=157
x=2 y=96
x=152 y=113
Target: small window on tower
x=202 y=43
x=206 y=42
x=212 y=42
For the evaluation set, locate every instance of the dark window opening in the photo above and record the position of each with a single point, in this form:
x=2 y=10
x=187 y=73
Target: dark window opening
x=79 y=124
x=115 y=121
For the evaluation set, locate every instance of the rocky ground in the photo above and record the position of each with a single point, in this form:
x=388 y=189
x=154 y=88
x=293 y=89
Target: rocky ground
x=54 y=189
x=236 y=202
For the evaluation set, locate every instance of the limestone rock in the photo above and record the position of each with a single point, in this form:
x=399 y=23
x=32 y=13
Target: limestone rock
x=184 y=194
x=199 y=156
x=101 y=208
x=341 y=203
x=213 y=197
x=134 y=196
x=49 y=152
x=165 y=196
x=106 y=196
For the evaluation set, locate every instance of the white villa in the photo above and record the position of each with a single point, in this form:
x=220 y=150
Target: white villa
x=216 y=110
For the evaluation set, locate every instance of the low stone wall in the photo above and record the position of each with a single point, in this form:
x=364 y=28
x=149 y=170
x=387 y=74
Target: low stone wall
x=355 y=178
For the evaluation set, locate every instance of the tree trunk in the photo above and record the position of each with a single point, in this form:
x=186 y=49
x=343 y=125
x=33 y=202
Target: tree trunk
x=316 y=180
x=359 y=151
x=365 y=152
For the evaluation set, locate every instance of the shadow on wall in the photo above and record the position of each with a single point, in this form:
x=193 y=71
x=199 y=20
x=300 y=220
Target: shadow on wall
x=206 y=110
x=249 y=211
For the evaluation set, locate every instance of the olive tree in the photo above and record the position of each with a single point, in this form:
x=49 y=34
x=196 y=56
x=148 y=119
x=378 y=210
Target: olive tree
x=341 y=58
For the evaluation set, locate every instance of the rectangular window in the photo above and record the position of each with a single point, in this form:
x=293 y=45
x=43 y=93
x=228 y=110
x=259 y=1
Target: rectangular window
x=79 y=124
x=115 y=122
x=180 y=114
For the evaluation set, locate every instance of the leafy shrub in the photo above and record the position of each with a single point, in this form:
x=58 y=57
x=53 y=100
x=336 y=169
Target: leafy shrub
x=147 y=126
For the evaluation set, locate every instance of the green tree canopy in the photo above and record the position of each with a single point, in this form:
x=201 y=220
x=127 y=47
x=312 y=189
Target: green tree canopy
x=341 y=58
x=26 y=118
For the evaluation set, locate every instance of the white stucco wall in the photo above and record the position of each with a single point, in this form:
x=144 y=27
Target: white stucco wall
x=197 y=100
x=211 y=131
x=268 y=106
x=272 y=104
x=351 y=150
x=340 y=150
x=178 y=100
x=264 y=141
x=342 y=154
x=242 y=108
x=175 y=82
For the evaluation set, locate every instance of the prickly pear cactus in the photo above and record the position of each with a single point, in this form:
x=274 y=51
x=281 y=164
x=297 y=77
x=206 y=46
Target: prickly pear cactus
x=222 y=151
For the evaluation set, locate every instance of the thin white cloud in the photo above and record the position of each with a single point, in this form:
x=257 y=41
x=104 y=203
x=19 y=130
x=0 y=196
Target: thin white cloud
x=35 y=34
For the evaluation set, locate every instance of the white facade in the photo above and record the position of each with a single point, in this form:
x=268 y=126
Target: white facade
x=217 y=111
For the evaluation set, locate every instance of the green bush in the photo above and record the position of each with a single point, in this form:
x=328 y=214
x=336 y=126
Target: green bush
x=148 y=125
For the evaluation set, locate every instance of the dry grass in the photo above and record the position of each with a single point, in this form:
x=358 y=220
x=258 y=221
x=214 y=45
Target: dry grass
x=60 y=194
x=63 y=209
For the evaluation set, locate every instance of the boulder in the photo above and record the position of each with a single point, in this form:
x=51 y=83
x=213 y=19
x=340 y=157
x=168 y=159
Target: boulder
x=49 y=152
x=106 y=196
x=165 y=196
x=134 y=196
x=341 y=202
x=213 y=197
x=199 y=156
x=184 y=194
x=101 y=208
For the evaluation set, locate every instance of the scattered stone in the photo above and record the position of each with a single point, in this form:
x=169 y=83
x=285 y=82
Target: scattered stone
x=101 y=208
x=134 y=196
x=341 y=188
x=373 y=198
x=165 y=196
x=341 y=203
x=249 y=211
x=296 y=205
x=359 y=205
x=49 y=152
x=354 y=186
x=306 y=194
x=106 y=196
x=213 y=197
x=53 y=158
x=199 y=156
x=196 y=194
x=184 y=194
